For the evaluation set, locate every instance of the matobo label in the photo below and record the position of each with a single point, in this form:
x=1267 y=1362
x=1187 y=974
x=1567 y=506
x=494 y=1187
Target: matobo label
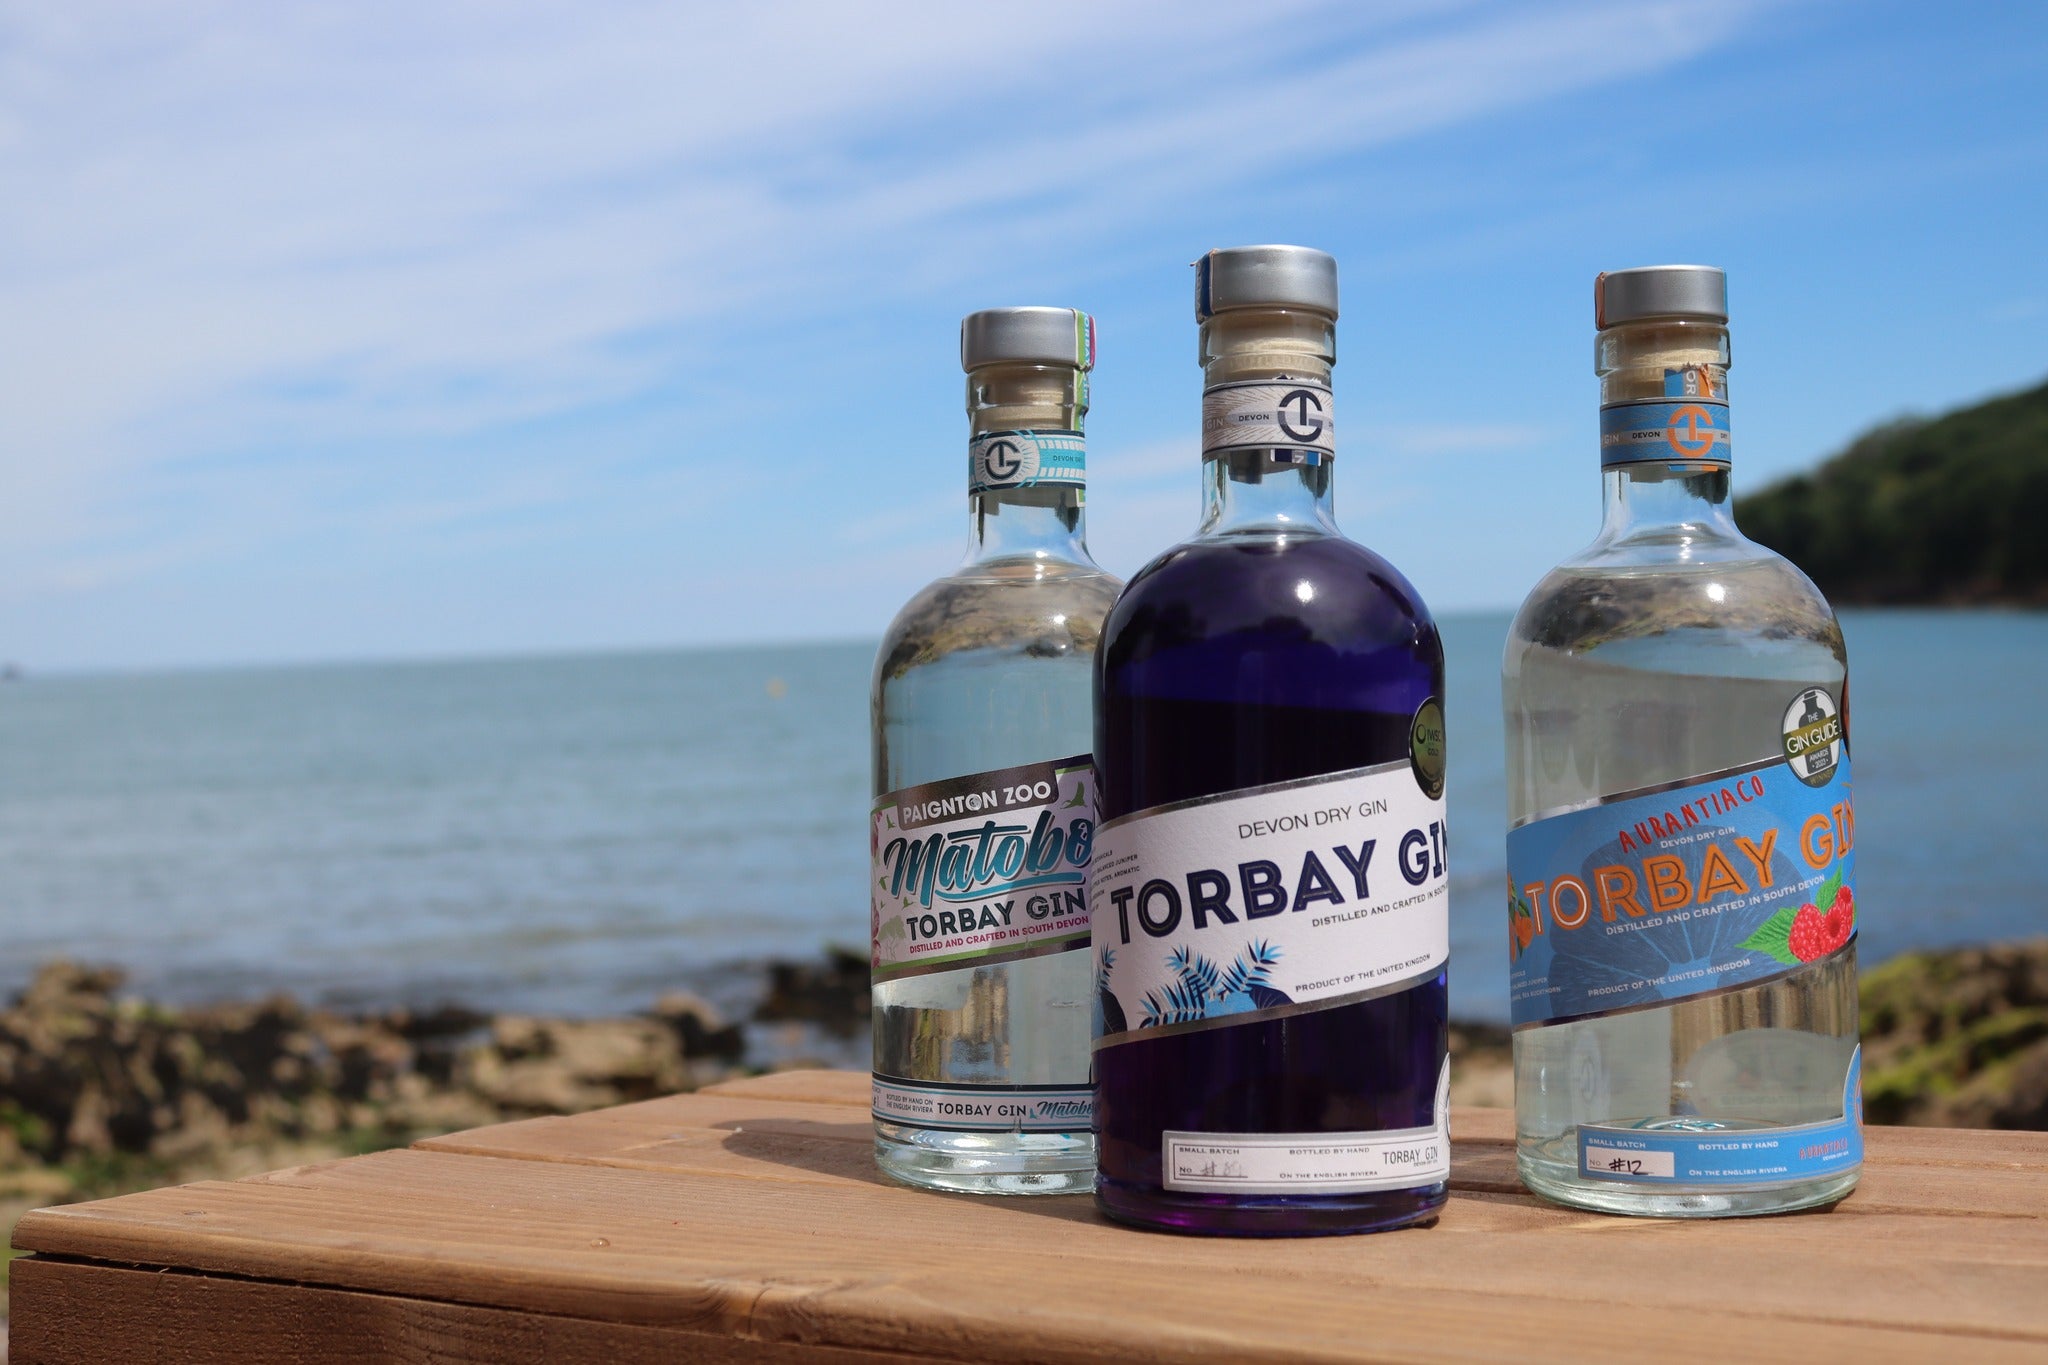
x=1026 y=459
x=984 y=1108
x=1265 y=416
x=1655 y=896
x=982 y=869
x=1269 y=901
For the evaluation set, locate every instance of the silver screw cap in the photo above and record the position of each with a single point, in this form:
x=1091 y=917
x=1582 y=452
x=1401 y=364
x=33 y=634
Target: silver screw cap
x=1265 y=277
x=1027 y=336
x=1660 y=291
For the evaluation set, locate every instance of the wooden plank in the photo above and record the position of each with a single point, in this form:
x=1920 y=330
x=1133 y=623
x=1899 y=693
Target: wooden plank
x=1918 y=1146
x=70 y=1311
x=753 y=1211
x=805 y=1087
x=711 y=1133
x=727 y=1131
x=885 y=1269
x=74 y=1311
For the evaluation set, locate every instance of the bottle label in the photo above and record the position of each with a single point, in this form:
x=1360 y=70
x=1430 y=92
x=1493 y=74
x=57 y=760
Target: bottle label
x=1269 y=901
x=1687 y=428
x=1026 y=459
x=1311 y=1163
x=1672 y=892
x=984 y=1108
x=1725 y=1156
x=982 y=869
x=1283 y=418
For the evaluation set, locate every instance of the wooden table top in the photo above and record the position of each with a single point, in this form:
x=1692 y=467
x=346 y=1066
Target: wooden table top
x=746 y=1222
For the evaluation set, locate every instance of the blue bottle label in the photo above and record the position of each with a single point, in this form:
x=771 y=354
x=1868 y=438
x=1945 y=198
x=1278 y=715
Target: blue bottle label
x=1687 y=428
x=1659 y=895
x=1664 y=433
x=1724 y=1156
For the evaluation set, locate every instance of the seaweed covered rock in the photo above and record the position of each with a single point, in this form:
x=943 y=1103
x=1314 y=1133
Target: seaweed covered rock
x=833 y=994
x=1958 y=1038
x=88 y=1076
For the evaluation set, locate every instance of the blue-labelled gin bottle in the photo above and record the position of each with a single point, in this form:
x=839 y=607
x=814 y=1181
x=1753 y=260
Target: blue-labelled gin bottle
x=1681 y=912
x=1269 y=894
x=985 y=801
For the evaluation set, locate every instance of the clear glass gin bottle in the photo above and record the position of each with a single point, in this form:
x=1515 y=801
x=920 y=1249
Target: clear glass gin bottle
x=1680 y=868
x=983 y=822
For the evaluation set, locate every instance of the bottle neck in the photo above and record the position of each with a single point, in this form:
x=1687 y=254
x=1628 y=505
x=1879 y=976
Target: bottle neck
x=1268 y=423
x=1664 y=436
x=1027 y=463
x=1646 y=501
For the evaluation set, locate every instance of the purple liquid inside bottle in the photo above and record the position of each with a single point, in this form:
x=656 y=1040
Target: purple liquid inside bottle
x=1267 y=650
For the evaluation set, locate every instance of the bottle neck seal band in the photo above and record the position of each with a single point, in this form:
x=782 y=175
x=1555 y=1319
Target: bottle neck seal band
x=999 y=460
x=1685 y=429
x=1294 y=421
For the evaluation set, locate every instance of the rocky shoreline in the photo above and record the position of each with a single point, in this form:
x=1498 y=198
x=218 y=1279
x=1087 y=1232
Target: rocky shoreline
x=101 y=1092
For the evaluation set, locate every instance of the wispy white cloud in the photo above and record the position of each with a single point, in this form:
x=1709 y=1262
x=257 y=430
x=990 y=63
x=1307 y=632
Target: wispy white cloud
x=351 y=231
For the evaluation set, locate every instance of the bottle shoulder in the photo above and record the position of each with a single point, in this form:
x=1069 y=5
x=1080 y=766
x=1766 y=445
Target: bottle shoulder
x=1324 y=589
x=1033 y=607
x=1737 y=598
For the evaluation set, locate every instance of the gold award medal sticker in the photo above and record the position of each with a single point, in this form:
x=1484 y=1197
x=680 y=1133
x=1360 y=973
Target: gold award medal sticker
x=1426 y=748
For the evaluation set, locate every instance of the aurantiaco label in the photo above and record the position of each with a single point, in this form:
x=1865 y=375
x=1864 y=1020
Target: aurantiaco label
x=1026 y=459
x=982 y=869
x=1269 y=901
x=1319 y=1163
x=1269 y=416
x=1654 y=896
x=1729 y=1156
x=984 y=1108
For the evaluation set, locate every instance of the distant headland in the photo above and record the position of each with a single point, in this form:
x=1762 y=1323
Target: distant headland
x=1945 y=510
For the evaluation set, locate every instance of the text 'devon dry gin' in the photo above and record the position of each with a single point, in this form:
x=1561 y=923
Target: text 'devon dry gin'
x=984 y=816
x=1269 y=892
x=1680 y=850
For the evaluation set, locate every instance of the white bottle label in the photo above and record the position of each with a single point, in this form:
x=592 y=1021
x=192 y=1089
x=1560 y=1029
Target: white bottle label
x=1311 y=1163
x=981 y=869
x=1269 y=901
x=1267 y=416
x=984 y=1108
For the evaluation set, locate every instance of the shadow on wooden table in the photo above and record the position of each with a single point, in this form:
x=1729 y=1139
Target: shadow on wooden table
x=847 y=1151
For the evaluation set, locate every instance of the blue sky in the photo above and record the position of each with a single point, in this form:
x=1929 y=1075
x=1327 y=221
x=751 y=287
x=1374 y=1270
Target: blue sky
x=401 y=329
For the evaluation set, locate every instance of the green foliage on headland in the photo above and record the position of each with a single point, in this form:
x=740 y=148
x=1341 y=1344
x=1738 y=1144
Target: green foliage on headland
x=1945 y=510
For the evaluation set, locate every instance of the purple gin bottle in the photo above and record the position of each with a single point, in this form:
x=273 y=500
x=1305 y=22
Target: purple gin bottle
x=1268 y=894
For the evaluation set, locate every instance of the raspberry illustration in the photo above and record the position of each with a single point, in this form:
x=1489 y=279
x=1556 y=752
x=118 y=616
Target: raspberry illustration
x=1840 y=920
x=1809 y=937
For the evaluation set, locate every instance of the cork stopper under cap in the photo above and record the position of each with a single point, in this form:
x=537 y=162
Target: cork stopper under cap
x=1029 y=336
x=1660 y=291
x=1265 y=277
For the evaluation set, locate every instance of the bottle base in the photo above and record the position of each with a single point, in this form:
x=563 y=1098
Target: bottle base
x=1561 y=1183
x=1211 y=1215
x=986 y=1163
